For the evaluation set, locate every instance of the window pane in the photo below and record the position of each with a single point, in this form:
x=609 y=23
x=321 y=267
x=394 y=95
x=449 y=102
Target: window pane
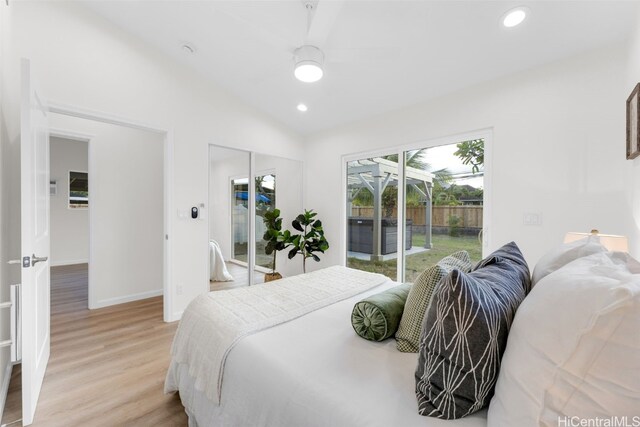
x=78 y=190
x=372 y=202
x=444 y=204
x=265 y=200
x=240 y=218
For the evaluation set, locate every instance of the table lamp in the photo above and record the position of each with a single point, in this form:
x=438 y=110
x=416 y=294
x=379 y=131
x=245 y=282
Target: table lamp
x=609 y=241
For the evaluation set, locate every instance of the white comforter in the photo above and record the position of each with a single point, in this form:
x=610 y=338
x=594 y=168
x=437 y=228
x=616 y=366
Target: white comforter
x=313 y=371
x=213 y=323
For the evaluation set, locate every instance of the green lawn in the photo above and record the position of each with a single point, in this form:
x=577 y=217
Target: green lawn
x=443 y=245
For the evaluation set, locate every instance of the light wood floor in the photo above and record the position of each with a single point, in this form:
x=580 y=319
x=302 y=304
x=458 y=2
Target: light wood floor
x=107 y=366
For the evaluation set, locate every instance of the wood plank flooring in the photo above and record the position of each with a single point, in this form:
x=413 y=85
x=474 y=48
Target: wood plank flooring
x=13 y=405
x=107 y=366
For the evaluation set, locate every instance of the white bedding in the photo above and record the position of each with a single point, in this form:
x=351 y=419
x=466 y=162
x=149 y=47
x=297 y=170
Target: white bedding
x=313 y=371
x=213 y=323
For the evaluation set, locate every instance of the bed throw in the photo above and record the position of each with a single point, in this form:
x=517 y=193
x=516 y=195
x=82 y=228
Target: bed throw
x=213 y=323
x=219 y=272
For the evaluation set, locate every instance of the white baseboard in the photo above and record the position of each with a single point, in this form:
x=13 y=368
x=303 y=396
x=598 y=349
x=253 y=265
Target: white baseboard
x=127 y=298
x=71 y=262
x=4 y=390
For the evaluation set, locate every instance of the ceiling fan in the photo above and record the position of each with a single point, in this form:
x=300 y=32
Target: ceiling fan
x=309 y=57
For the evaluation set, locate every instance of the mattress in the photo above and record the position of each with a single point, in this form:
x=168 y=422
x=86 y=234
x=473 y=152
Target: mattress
x=313 y=371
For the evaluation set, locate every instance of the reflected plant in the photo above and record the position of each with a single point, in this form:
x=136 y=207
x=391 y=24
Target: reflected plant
x=275 y=238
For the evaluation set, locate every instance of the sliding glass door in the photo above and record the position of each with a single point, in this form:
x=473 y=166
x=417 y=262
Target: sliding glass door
x=444 y=202
x=441 y=203
x=372 y=214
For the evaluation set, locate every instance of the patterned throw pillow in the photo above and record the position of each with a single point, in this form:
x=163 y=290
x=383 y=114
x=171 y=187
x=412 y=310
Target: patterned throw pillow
x=408 y=334
x=465 y=334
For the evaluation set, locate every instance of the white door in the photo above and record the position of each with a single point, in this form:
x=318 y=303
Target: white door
x=34 y=146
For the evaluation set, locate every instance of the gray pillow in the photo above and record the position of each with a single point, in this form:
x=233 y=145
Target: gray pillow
x=465 y=334
x=408 y=335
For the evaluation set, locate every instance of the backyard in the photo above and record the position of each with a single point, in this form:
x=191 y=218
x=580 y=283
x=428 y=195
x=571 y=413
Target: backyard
x=443 y=245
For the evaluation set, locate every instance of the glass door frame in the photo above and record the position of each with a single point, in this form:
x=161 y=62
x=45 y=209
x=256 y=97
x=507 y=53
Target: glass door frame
x=401 y=150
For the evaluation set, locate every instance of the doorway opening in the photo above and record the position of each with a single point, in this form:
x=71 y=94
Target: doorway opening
x=109 y=209
x=69 y=209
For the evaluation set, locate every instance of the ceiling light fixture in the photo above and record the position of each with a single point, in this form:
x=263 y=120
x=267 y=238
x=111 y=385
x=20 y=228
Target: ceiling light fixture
x=301 y=107
x=308 y=64
x=515 y=16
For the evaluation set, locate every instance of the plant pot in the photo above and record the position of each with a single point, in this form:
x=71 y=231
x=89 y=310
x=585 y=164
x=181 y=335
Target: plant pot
x=269 y=277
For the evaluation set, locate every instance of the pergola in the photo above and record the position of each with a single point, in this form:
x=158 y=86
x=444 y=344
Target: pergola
x=375 y=175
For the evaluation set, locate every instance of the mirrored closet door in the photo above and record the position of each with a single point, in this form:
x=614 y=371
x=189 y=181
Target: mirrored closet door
x=229 y=196
x=243 y=188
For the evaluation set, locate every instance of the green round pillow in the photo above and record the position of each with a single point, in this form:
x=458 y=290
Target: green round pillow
x=377 y=317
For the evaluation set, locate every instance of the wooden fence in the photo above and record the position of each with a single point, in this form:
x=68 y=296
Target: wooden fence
x=470 y=216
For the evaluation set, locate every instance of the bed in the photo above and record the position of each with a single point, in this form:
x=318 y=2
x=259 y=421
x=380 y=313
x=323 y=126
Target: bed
x=311 y=369
x=274 y=377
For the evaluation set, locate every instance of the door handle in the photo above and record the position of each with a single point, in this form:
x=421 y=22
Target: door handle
x=35 y=259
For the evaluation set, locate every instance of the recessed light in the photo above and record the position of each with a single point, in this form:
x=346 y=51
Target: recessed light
x=302 y=107
x=188 y=48
x=515 y=16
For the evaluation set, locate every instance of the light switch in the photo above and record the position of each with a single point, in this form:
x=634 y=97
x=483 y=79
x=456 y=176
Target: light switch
x=532 y=218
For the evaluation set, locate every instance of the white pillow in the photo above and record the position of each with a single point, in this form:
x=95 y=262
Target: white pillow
x=564 y=254
x=574 y=347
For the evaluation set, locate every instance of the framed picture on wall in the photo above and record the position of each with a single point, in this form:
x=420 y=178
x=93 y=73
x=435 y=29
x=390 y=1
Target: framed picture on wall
x=78 y=190
x=633 y=123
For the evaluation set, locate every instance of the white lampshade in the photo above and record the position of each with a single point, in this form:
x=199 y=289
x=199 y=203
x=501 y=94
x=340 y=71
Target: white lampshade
x=308 y=64
x=609 y=241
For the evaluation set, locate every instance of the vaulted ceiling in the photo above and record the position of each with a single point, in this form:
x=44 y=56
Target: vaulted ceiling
x=379 y=55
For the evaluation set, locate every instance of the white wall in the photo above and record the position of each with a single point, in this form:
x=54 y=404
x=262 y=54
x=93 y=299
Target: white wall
x=85 y=61
x=558 y=149
x=632 y=170
x=126 y=204
x=289 y=188
x=69 y=227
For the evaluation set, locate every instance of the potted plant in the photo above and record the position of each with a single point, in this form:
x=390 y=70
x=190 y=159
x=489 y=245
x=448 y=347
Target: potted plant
x=311 y=240
x=275 y=239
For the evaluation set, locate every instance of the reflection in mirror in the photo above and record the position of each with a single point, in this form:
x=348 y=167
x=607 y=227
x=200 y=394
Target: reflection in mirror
x=228 y=218
x=278 y=183
x=265 y=201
